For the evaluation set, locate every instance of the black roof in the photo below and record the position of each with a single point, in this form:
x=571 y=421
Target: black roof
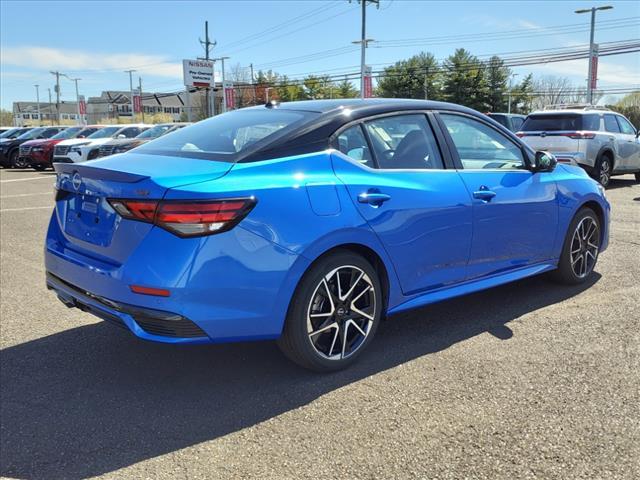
x=371 y=105
x=333 y=114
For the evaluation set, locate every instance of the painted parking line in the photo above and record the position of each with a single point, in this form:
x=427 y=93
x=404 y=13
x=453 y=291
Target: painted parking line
x=27 y=179
x=50 y=207
x=25 y=195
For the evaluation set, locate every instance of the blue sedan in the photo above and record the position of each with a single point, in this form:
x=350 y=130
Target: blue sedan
x=308 y=222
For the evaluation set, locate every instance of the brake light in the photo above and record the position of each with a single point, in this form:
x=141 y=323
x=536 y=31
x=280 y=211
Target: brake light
x=580 y=135
x=187 y=218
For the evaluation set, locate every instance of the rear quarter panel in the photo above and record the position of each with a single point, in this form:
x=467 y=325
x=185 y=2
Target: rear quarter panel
x=302 y=208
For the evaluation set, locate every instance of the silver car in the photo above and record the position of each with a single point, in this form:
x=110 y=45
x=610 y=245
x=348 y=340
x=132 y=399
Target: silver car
x=601 y=141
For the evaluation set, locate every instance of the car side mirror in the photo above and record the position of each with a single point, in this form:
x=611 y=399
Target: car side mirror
x=544 y=162
x=122 y=135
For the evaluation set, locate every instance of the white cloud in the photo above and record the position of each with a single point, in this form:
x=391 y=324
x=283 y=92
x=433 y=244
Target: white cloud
x=46 y=58
x=608 y=72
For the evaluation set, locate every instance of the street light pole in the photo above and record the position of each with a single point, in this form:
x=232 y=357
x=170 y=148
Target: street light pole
x=75 y=80
x=590 y=74
x=38 y=102
x=510 y=88
x=224 y=85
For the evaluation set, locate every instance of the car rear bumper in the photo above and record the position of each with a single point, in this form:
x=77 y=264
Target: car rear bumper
x=146 y=323
x=233 y=286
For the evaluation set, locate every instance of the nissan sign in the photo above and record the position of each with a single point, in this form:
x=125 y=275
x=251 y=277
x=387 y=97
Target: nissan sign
x=197 y=73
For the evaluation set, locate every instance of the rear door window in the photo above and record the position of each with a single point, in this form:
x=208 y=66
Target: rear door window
x=353 y=144
x=404 y=142
x=610 y=124
x=625 y=126
x=552 y=122
x=591 y=122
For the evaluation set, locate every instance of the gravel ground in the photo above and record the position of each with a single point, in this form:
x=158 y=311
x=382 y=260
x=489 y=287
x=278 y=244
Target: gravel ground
x=529 y=380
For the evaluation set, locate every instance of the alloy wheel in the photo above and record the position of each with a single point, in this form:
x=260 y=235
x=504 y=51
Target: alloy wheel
x=584 y=247
x=341 y=312
x=605 y=172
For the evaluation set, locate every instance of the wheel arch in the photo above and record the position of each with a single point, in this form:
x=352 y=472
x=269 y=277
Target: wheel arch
x=372 y=257
x=606 y=150
x=599 y=211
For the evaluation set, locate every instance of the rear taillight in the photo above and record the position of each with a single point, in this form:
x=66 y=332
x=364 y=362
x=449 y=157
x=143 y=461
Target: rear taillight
x=187 y=218
x=580 y=135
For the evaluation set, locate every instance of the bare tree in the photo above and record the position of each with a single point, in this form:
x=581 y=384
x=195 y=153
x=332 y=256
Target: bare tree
x=551 y=90
x=243 y=88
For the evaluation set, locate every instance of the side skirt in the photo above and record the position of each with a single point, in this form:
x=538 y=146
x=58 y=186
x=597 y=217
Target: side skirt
x=472 y=286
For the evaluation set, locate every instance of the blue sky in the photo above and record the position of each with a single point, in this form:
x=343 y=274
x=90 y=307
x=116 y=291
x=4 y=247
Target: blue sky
x=97 y=41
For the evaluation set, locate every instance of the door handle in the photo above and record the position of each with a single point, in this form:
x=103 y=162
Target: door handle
x=373 y=198
x=484 y=194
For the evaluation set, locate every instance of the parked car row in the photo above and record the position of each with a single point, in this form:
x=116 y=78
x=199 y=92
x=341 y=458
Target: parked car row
x=39 y=147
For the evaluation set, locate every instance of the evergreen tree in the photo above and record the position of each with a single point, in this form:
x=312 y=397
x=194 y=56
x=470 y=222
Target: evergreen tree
x=416 y=77
x=465 y=80
x=346 y=90
x=521 y=96
x=497 y=82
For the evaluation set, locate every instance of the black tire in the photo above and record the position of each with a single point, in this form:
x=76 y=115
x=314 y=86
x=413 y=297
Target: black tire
x=13 y=158
x=637 y=177
x=573 y=271
x=604 y=170
x=318 y=291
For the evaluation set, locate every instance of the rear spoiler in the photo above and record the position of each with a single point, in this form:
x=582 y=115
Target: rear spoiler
x=88 y=171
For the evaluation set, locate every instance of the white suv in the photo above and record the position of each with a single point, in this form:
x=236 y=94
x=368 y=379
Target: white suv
x=83 y=149
x=601 y=141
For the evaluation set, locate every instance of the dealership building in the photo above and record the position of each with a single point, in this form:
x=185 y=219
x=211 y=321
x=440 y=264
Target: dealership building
x=25 y=114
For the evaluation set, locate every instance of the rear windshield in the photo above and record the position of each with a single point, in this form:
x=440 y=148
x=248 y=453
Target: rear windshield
x=68 y=133
x=226 y=137
x=564 y=121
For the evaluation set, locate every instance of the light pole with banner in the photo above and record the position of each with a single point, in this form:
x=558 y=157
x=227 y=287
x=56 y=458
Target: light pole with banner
x=593 y=51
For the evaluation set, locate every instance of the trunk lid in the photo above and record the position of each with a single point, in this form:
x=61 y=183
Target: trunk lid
x=88 y=222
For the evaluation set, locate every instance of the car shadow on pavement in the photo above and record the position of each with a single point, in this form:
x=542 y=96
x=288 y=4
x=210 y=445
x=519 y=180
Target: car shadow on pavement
x=621 y=183
x=93 y=399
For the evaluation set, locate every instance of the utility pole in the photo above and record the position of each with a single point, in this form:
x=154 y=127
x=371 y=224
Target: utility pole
x=253 y=84
x=591 y=73
x=141 y=105
x=207 y=44
x=57 y=90
x=426 y=83
x=50 y=117
x=38 y=102
x=510 y=88
x=364 y=41
x=130 y=72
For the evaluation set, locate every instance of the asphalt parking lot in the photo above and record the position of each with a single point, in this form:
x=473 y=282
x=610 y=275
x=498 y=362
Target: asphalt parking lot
x=529 y=380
